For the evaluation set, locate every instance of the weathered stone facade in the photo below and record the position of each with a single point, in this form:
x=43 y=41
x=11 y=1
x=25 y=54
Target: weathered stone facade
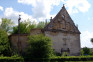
x=23 y=41
x=63 y=32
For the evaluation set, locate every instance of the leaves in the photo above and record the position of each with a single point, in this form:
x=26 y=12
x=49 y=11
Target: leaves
x=25 y=27
x=6 y=24
x=92 y=40
x=40 y=46
x=41 y=25
x=4 y=43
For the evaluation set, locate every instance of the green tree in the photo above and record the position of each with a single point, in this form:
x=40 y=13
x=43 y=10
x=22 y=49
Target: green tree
x=41 y=25
x=82 y=52
x=25 y=27
x=86 y=51
x=6 y=24
x=4 y=43
x=39 y=47
x=91 y=40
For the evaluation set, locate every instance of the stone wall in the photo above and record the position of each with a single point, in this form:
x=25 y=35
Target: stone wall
x=62 y=41
x=35 y=31
x=23 y=38
x=65 y=41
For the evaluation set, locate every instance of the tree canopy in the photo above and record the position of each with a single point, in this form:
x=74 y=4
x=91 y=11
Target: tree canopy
x=25 y=27
x=6 y=24
x=4 y=43
x=86 y=51
x=92 y=40
x=41 y=25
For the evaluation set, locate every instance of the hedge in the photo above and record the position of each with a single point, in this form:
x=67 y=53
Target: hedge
x=11 y=59
x=63 y=59
x=73 y=58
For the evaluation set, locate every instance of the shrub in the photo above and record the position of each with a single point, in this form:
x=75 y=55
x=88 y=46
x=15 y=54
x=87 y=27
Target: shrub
x=39 y=47
x=11 y=59
x=65 y=59
x=4 y=43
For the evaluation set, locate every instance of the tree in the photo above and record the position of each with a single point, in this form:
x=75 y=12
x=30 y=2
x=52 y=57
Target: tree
x=91 y=40
x=25 y=27
x=4 y=43
x=41 y=25
x=6 y=24
x=86 y=51
x=39 y=47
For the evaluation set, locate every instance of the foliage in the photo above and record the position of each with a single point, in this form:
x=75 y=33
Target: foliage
x=4 y=43
x=6 y=24
x=65 y=54
x=64 y=59
x=82 y=52
x=86 y=51
x=25 y=27
x=41 y=25
x=11 y=59
x=92 y=40
x=39 y=47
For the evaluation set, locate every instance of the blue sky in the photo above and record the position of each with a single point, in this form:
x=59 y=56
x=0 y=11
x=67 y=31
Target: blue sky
x=81 y=12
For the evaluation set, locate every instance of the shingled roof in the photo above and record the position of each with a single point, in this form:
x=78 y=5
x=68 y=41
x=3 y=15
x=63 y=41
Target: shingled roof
x=62 y=22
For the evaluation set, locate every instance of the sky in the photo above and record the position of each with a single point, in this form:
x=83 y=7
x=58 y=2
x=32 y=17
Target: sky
x=81 y=12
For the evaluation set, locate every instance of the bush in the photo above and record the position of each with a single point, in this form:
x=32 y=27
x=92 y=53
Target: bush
x=39 y=47
x=65 y=59
x=11 y=59
x=86 y=51
x=73 y=58
x=4 y=43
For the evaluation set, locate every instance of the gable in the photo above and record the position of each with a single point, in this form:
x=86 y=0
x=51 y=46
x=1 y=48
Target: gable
x=62 y=22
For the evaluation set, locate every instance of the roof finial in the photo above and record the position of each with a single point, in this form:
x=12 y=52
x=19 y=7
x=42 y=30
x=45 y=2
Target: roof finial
x=50 y=18
x=63 y=5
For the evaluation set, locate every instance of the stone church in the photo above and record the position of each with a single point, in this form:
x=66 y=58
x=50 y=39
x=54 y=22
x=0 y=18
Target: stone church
x=64 y=34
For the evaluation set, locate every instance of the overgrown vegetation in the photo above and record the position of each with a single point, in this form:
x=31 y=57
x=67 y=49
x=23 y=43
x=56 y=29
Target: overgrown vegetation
x=6 y=24
x=40 y=46
x=26 y=26
x=86 y=51
x=11 y=59
x=4 y=43
x=64 y=59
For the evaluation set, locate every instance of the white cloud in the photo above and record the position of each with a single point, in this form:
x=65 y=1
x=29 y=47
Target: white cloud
x=1 y=8
x=11 y=14
x=85 y=39
x=74 y=6
x=41 y=8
